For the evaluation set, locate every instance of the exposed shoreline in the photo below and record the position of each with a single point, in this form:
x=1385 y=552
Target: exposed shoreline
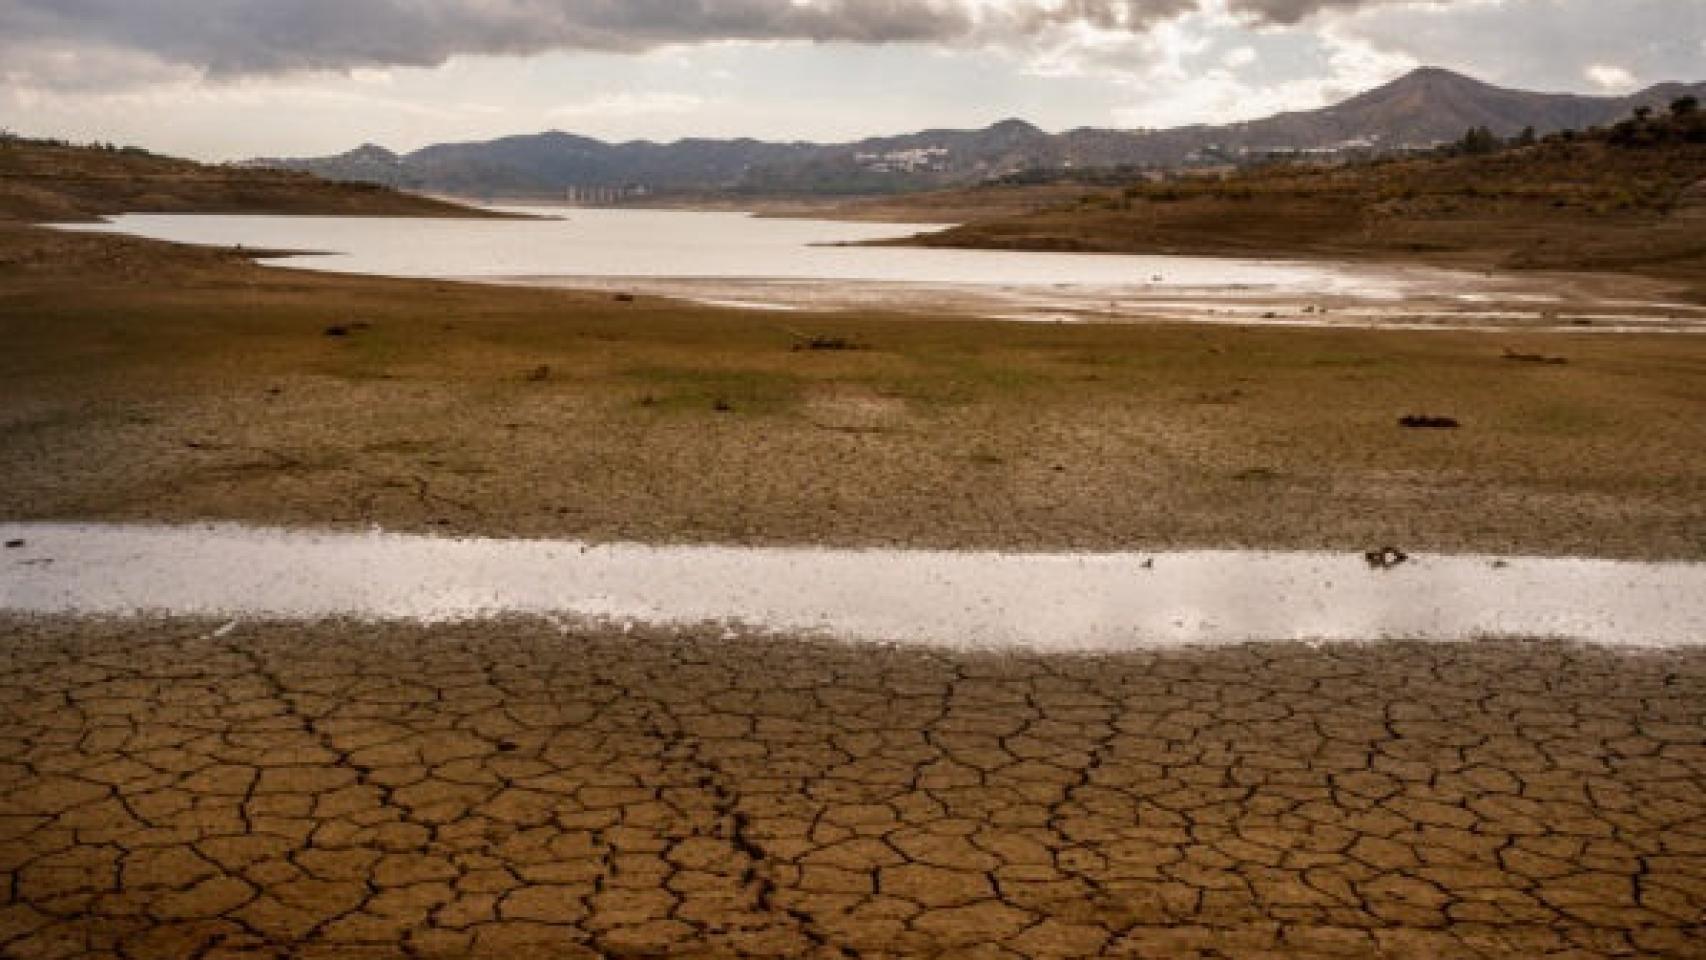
x=1290 y=292
x=147 y=382
x=1573 y=304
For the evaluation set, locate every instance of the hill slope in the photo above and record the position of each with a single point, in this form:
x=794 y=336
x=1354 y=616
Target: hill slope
x=52 y=181
x=1629 y=199
x=1425 y=107
x=1431 y=106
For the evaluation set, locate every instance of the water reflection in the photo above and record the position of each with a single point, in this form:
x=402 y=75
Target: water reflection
x=1042 y=601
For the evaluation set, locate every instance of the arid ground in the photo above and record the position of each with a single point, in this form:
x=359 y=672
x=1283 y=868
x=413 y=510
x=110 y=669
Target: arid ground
x=146 y=382
x=173 y=788
x=184 y=790
x=1627 y=201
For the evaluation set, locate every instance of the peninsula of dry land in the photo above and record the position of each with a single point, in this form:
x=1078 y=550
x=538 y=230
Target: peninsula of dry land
x=47 y=181
x=1631 y=199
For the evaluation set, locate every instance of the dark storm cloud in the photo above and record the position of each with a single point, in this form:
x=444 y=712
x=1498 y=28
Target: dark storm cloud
x=1294 y=11
x=69 y=43
x=235 y=37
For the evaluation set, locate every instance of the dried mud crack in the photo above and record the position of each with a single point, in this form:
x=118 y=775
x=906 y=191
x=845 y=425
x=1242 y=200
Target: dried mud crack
x=177 y=789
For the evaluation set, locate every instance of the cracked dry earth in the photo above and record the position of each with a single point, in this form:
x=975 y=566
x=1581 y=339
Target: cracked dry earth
x=510 y=789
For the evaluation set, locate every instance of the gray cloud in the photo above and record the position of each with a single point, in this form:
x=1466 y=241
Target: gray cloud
x=129 y=70
x=1551 y=45
x=111 y=44
x=250 y=37
x=1294 y=11
x=239 y=37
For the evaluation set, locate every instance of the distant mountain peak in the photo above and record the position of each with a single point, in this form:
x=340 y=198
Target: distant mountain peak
x=1426 y=81
x=1437 y=74
x=371 y=152
x=1427 y=106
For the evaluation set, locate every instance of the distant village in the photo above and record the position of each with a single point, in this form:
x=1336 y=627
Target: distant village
x=606 y=196
x=916 y=160
x=1211 y=160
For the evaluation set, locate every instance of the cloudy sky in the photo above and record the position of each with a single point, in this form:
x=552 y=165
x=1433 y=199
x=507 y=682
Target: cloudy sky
x=225 y=79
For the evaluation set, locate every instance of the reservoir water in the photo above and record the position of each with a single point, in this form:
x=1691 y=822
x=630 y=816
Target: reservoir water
x=739 y=260
x=691 y=245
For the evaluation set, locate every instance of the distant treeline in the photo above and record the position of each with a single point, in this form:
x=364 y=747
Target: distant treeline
x=1684 y=123
x=9 y=138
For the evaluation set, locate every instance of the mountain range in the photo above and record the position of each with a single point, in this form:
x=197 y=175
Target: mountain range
x=1426 y=107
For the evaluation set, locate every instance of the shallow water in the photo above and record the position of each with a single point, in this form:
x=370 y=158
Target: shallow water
x=1067 y=602
x=699 y=245
x=733 y=259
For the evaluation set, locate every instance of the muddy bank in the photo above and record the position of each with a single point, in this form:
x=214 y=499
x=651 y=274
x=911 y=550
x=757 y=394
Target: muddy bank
x=1410 y=300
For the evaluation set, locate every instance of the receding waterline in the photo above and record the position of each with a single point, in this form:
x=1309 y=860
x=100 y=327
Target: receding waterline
x=725 y=247
x=1069 y=602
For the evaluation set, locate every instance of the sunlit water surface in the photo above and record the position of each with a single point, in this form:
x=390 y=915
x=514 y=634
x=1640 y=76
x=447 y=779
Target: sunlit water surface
x=1041 y=601
x=734 y=259
x=672 y=244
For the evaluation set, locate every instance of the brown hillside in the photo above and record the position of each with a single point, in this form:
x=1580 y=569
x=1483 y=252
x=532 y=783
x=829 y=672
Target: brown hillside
x=44 y=181
x=1624 y=200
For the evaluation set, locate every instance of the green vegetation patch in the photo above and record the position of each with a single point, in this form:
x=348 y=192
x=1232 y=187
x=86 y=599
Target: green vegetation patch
x=673 y=388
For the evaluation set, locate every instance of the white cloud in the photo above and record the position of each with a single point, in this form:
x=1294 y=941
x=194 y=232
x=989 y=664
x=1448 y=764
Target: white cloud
x=628 y=104
x=1609 y=78
x=1222 y=95
x=1213 y=66
x=78 y=69
x=1543 y=44
x=1238 y=57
